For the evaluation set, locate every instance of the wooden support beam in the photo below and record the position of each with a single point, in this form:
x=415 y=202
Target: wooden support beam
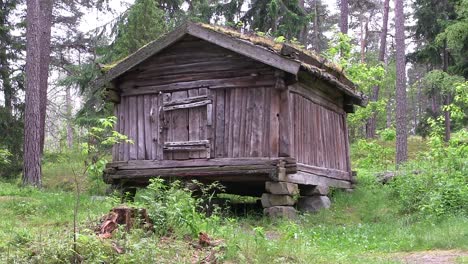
x=330 y=173
x=312 y=179
x=167 y=164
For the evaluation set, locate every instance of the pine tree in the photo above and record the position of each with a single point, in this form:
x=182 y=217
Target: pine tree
x=401 y=122
x=371 y=125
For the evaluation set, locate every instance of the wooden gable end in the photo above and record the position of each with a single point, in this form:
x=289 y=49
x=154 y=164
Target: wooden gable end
x=194 y=63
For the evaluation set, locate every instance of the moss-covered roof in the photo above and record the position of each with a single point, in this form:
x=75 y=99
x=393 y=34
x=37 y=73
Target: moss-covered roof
x=288 y=57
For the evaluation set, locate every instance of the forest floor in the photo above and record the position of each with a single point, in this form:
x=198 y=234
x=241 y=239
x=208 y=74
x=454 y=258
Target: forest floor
x=365 y=226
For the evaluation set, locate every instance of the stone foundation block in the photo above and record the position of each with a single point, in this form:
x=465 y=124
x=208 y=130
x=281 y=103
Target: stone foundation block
x=313 y=190
x=269 y=200
x=281 y=211
x=282 y=188
x=313 y=203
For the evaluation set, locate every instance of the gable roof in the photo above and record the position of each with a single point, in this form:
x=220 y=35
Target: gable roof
x=282 y=56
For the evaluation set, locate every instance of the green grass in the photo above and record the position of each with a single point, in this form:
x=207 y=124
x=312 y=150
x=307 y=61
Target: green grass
x=368 y=225
x=36 y=226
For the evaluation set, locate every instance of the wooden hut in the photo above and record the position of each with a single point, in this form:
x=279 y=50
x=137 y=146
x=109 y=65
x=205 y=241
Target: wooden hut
x=208 y=103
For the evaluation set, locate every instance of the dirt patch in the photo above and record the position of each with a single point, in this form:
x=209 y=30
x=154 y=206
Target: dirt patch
x=431 y=257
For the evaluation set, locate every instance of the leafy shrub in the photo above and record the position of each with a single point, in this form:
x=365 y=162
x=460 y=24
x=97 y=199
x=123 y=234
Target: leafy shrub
x=388 y=134
x=172 y=208
x=437 y=182
x=371 y=154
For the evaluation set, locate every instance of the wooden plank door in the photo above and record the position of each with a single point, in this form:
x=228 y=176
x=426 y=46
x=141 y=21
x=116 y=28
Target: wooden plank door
x=187 y=120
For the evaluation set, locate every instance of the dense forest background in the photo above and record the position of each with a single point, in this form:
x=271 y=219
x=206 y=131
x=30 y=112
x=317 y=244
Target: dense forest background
x=434 y=54
x=409 y=146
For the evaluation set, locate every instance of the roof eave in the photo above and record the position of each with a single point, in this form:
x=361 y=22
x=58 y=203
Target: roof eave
x=357 y=97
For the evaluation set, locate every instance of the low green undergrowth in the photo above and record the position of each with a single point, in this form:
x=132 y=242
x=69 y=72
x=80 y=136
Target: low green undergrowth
x=366 y=225
x=422 y=208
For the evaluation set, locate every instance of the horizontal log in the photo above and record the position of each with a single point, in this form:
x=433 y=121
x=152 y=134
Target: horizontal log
x=240 y=82
x=155 y=164
x=187 y=143
x=128 y=82
x=185 y=106
x=185 y=148
x=330 y=173
x=187 y=100
x=305 y=178
x=199 y=172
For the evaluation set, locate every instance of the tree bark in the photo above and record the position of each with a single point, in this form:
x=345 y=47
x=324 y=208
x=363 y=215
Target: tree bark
x=69 y=118
x=32 y=119
x=446 y=96
x=46 y=25
x=304 y=30
x=364 y=30
x=401 y=122
x=316 y=28
x=344 y=16
x=4 y=64
x=371 y=125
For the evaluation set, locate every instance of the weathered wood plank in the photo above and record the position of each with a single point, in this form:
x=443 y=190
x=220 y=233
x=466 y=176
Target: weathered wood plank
x=179 y=125
x=148 y=164
x=147 y=126
x=248 y=81
x=204 y=132
x=131 y=81
x=133 y=130
x=186 y=106
x=158 y=131
x=199 y=171
x=266 y=123
x=312 y=179
x=327 y=172
x=242 y=122
x=227 y=122
x=236 y=100
x=219 y=131
x=257 y=119
x=194 y=121
x=249 y=122
x=284 y=122
x=316 y=97
x=141 y=127
x=193 y=98
x=187 y=143
x=122 y=121
x=115 y=147
x=348 y=155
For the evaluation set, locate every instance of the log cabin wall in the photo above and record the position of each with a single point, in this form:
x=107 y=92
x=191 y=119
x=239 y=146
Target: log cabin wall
x=318 y=131
x=244 y=104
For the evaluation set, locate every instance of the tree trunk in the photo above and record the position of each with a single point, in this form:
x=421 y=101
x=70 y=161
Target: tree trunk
x=446 y=96
x=304 y=30
x=4 y=65
x=32 y=119
x=46 y=25
x=364 y=29
x=371 y=125
x=344 y=16
x=316 y=28
x=5 y=77
x=401 y=123
x=69 y=118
